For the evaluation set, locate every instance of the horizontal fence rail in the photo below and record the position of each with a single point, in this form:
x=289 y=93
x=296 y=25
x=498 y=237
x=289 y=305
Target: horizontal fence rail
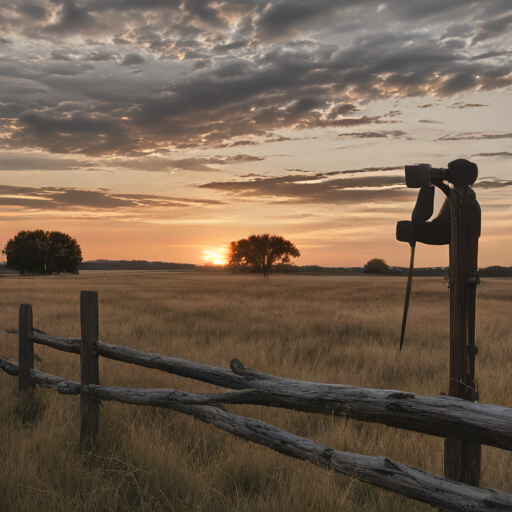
x=439 y=416
x=377 y=471
x=45 y=380
x=65 y=344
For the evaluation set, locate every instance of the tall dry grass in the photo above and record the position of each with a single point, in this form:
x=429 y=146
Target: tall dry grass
x=326 y=329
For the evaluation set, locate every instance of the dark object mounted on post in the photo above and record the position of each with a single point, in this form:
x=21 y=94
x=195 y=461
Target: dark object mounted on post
x=436 y=232
x=457 y=224
x=461 y=173
x=420 y=175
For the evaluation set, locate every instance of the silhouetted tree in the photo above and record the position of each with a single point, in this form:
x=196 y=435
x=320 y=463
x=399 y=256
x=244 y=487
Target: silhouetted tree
x=261 y=252
x=43 y=252
x=376 y=266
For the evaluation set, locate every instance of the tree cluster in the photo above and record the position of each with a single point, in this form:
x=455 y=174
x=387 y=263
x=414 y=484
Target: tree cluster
x=261 y=252
x=43 y=253
x=376 y=266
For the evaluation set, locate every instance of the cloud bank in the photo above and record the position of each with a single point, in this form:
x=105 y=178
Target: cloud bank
x=135 y=77
x=75 y=199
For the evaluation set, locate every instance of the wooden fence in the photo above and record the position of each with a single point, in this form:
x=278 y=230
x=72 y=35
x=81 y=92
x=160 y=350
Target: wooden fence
x=442 y=416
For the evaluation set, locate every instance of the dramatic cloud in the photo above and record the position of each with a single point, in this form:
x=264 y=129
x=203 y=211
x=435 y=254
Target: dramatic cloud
x=286 y=18
x=493 y=28
x=41 y=162
x=94 y=135
x=320 y=188
x=73 y=199
x=132 y=58
x=103 y=92
x=221 y=74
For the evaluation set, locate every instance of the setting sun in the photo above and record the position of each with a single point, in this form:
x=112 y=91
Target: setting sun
x=216 y=257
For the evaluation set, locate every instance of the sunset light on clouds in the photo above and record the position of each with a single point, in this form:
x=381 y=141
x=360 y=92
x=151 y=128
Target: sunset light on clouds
x=163 y=130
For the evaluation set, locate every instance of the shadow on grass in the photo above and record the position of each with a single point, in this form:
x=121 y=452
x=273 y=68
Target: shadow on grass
x=29 y=409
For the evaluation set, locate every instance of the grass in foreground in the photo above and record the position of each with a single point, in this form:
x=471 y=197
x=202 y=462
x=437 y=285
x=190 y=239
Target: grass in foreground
x=328 y=329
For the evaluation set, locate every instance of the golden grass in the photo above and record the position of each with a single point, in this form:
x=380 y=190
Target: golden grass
x=327 y=329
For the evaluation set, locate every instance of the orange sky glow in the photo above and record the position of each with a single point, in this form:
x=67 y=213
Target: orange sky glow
x=164 y=132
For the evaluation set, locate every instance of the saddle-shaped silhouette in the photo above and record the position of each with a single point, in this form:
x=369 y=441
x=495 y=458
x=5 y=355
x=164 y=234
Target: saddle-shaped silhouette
x=461 y=173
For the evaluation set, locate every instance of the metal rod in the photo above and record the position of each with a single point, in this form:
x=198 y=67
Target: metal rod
x=407 y=294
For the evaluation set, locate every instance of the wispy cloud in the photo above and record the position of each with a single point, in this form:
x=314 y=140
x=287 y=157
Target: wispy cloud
x=156 y=163
x=76 y=199
x=499 y=154
x=391 y=134
x=494 y=183
x=461 y=105
x=320 y=187
x=475 y=136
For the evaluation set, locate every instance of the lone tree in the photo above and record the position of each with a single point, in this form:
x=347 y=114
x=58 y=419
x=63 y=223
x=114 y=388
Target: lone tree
x=376 y=266
x=261 y=252
x=43 y=252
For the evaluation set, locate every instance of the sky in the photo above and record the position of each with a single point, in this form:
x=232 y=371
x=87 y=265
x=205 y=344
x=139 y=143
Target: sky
x=165 y=129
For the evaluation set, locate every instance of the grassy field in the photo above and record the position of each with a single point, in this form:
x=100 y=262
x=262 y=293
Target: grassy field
x=328 y=329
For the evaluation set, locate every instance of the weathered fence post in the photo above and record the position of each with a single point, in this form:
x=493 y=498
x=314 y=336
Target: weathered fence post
x=25 y=349
x=462 y=459
x=457 y=224
x=89 y=406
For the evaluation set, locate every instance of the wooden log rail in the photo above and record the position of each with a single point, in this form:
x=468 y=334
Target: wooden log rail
x=65 y=344
x=377 y=471
x=441 y=416
x=46 y=380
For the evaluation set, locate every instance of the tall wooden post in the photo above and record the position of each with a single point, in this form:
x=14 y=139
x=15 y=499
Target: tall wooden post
x=462 y=459
x=25 y=349
x=89 y=406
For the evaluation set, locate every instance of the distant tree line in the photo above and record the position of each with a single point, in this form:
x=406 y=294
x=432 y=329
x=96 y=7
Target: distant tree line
x=420 y=272
x=495 y=271
x=134 y=265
